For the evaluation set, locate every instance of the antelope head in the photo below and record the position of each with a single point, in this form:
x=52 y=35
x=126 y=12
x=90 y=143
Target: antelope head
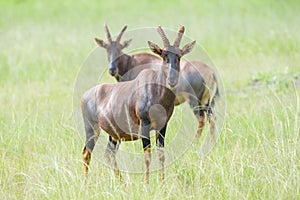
x=113 y=49
x=171 y=54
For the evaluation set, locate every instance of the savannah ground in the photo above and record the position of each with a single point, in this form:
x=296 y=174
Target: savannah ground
x=255 y=47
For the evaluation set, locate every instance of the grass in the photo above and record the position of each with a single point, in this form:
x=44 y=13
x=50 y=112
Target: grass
x=44 y=44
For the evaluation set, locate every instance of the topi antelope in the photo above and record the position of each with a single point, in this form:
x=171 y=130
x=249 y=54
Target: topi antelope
x=129 y=110
x=121 y=63
x=197 y=82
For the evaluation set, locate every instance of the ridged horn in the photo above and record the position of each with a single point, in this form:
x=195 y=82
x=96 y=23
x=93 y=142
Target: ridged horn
x=121 y=33
x=108 y=36
x=163 y=36
x=179 y=36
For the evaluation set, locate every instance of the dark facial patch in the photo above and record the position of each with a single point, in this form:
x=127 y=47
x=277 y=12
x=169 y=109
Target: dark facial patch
x=113 y=55
x=171 y=55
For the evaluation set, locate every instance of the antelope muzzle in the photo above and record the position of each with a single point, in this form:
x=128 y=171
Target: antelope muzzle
x=173 y=77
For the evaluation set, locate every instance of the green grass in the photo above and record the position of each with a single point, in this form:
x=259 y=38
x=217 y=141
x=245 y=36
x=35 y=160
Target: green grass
x=254 y=45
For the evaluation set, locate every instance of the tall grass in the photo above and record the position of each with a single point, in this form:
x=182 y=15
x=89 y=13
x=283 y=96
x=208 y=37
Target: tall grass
x=42 y=46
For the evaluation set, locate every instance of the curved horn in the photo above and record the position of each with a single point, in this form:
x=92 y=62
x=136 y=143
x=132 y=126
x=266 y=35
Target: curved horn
x=121 y=33
x=107 y=33
x=163 y=36
x=179 y=36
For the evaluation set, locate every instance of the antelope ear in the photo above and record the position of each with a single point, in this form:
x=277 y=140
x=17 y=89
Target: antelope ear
x=126 y=43
x=188 y=47
x=101 y=43
x=155 y=48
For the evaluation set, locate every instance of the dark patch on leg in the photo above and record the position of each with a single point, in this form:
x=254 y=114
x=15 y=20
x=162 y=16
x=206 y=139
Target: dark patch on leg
x=112 y=145
x=146 y=134
x=160 y=139
x=91 y=138
x=147 y=148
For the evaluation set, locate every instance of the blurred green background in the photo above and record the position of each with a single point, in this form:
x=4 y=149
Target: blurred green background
x=255 y=46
